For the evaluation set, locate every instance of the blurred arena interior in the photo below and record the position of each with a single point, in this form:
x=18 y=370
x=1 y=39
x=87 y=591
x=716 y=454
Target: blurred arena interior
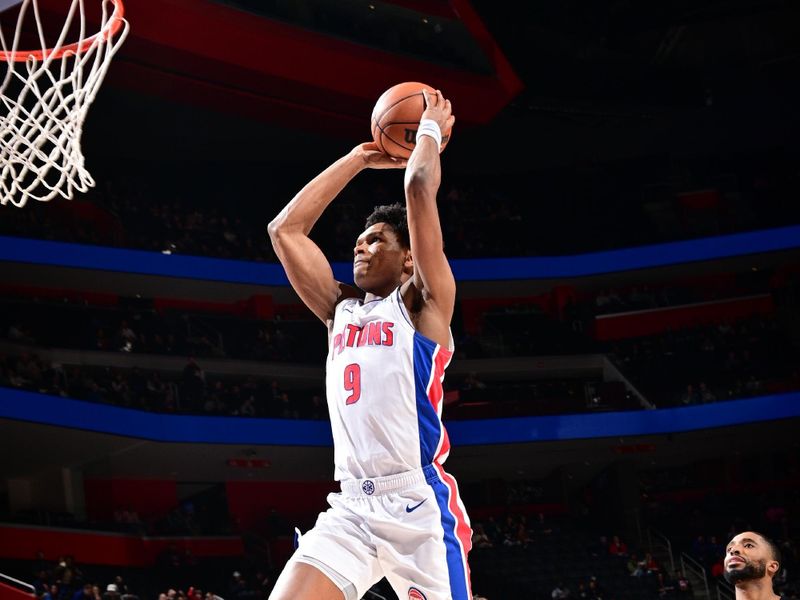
x=619 y=204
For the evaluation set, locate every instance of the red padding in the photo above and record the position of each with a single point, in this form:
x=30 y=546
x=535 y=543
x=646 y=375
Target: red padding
x=98 y=548
x=8 y=592
x=650 y=322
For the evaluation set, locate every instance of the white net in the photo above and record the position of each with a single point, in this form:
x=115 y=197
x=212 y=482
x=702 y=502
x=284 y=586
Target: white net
x=45 y=96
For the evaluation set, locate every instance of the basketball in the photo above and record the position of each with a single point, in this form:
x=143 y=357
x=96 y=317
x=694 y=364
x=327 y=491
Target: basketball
x=396 y=116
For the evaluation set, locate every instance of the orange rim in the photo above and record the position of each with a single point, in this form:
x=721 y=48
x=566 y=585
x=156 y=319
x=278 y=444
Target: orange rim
x=112 y=27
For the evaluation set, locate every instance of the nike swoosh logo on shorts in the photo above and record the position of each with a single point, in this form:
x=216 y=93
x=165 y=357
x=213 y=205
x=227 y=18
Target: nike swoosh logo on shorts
x=410 y=508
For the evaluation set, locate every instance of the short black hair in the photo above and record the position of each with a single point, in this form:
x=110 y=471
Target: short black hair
x=395 y=216
x=774 y=548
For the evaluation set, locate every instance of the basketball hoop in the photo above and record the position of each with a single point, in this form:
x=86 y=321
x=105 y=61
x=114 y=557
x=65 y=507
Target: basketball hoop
x=45 y=95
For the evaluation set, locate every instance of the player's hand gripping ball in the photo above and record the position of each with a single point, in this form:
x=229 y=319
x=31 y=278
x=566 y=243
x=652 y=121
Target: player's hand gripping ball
x=396 y=116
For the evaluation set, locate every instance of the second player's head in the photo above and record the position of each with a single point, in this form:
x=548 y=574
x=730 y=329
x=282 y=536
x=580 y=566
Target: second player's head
x=751 y=556
x=382 y=254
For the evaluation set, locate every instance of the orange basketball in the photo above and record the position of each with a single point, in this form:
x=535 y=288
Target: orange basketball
x=396 y=116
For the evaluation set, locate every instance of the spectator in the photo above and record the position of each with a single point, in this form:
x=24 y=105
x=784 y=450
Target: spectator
x=262 y=585
x=192 y=386
x=595 y=591
x=522 y=537
x=40 y=582
x=52 y=592
x=287 y=410
x=706 y=395
x=127 y=338
x=67 y=574
x=542 y=526
x=122 y=587
x=637 y=567
x=650 y=564
x=560 y=591
x=111 y=592
x=479 y=537
x=582 y=593
x=492 y=529
x=664 y=586
x=237 y=589
x=85 y=593
x=248 y=407
x=617 y=547
x=690 y=395
x=717 y=569
x=471 y=382
x=683 y=587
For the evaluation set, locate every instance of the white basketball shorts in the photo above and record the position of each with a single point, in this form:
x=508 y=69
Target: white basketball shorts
x=411 y=528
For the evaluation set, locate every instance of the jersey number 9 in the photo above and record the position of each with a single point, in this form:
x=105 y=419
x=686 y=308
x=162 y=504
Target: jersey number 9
x=352 y=382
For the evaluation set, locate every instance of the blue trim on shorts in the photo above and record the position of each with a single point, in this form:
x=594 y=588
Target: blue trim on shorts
x=456 y=569
x=430 y=427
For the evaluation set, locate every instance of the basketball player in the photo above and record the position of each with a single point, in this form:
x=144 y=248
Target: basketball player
x=399 y=514
x=751 y=562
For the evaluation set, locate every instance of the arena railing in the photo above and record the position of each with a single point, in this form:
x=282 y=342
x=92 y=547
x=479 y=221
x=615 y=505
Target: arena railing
x=724 y=592
x=657 y=540
x=14 y=588
x=690 y=565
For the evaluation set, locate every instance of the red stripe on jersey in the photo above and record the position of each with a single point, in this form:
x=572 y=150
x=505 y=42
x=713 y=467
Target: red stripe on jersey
x=435 y=391
x=463 y=531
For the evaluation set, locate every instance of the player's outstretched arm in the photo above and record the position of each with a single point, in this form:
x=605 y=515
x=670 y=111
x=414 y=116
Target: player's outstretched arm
x=432 y=274
x=308 y=270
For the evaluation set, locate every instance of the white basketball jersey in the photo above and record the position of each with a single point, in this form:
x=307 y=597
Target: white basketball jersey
x=384 y=388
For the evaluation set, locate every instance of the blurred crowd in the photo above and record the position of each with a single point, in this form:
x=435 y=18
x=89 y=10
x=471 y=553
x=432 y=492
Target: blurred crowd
x=634 y=202
x=603 y=568
x=693 y=365
x=137 y=327
x=704 y=364
x=193 y=391
x=66 y=580
x=190 y=391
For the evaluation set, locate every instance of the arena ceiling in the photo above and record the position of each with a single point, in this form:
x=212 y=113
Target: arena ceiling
x=535 y=82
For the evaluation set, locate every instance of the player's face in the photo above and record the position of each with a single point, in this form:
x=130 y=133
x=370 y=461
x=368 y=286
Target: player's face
x=379 y=260
x=747 y=557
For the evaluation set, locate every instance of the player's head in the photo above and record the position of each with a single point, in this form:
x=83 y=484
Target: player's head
x=396 y=217
x=382 y=254
x=751 y=556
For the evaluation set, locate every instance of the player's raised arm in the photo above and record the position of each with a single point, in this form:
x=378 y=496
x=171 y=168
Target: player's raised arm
x=308 y=270
x=432 y=274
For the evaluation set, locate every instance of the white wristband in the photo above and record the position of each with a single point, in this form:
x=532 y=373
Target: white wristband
x=430 y=128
